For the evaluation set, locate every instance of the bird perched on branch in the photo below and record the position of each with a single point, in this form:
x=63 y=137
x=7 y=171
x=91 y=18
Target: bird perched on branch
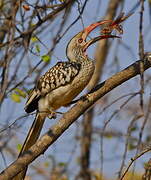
x=63 y=82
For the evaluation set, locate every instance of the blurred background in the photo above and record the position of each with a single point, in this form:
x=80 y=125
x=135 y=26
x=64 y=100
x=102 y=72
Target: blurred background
x=100 y=144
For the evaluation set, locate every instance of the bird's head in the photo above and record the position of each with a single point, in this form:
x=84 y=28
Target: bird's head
x=77 y=46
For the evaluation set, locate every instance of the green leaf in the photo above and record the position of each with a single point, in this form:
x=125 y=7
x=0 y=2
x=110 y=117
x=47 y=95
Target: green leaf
x=37 y=48
x=62 y=164
x=131 y=147
x=34 y=39
x=78 y=160
x=148 y=138
x=19 y=146
x=46 y=58
x=20 y=92
x=134 y=128
x=109 y=136
x=46 y=164
x=147 y=165
x=15 y=97
x=29 y=91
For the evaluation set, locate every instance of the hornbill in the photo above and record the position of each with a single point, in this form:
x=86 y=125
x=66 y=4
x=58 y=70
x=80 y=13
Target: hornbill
x=64 y=81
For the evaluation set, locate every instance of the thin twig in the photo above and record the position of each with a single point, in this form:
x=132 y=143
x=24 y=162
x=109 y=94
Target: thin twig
x=141 y=54
x=134 y=159
x=129 y=130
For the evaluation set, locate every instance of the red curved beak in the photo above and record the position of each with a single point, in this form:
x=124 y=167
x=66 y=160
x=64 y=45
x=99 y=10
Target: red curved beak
x=90 y=28
x=108 y=27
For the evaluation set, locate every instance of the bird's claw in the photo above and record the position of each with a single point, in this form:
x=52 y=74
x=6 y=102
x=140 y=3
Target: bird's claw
x=52 y=115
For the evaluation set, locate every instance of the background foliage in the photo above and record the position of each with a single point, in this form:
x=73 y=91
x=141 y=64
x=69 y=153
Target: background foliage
x=33 y=37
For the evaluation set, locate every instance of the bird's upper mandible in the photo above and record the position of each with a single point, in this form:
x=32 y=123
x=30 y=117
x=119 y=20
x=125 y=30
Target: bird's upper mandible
x=78 y=45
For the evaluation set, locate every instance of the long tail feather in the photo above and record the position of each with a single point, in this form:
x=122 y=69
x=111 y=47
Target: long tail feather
x=31 y=139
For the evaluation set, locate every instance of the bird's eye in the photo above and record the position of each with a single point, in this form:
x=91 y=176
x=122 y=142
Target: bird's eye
x=80 y=40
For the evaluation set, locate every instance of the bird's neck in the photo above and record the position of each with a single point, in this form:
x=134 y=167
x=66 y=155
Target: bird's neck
x=79 y=59
x=75 y=54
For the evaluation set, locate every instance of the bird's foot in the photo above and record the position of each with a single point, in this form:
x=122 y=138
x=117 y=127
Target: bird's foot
x=52 y=115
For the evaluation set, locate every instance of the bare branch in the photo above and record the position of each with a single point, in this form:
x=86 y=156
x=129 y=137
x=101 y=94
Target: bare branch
x=134 y=159
x=69 y=117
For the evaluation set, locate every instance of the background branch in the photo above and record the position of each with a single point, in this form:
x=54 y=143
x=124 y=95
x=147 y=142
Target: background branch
x=87 y=124
x=69 y=117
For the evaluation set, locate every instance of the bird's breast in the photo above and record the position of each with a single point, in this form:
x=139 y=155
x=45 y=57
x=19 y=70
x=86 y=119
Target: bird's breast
x=65 y=94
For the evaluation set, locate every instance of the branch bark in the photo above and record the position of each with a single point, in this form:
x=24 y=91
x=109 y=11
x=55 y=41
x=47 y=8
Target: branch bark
x=69 y=117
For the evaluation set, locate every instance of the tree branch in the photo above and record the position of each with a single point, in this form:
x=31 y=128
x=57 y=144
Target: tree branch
x=27 y=34
x=69 y=117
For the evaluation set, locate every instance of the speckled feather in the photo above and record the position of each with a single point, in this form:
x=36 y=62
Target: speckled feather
x=59 y=75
